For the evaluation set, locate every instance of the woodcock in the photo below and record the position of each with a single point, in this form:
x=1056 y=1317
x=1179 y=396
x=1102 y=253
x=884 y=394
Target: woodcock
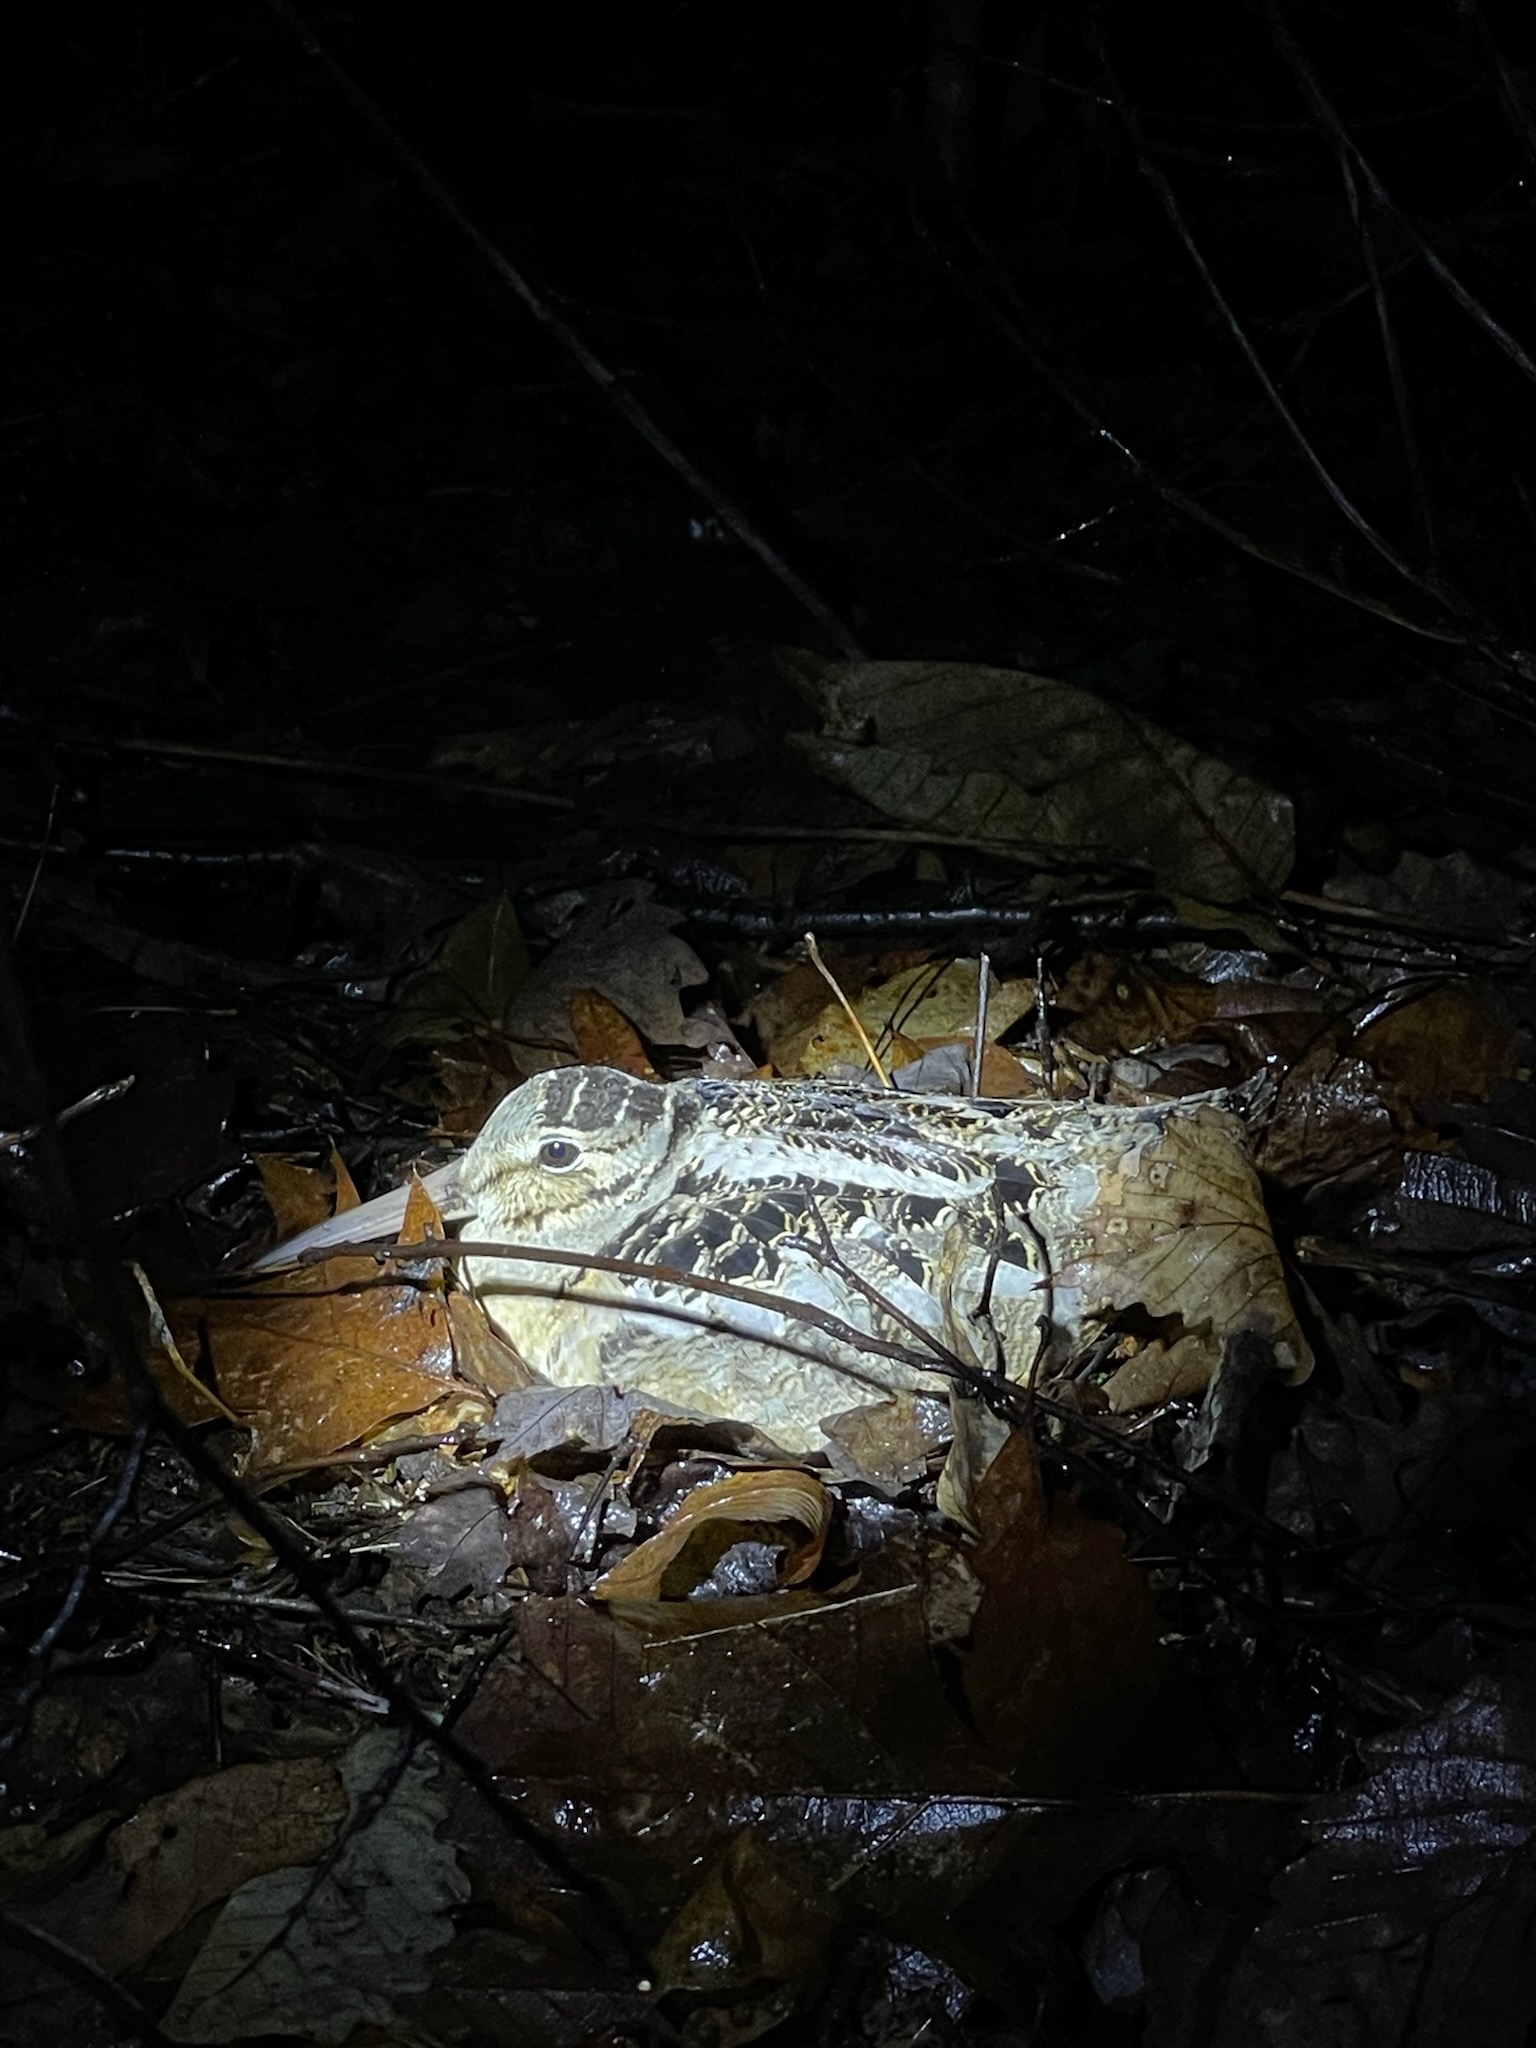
x=1011 y=1232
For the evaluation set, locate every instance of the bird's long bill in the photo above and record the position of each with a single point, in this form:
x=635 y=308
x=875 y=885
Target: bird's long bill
x=382 y=1217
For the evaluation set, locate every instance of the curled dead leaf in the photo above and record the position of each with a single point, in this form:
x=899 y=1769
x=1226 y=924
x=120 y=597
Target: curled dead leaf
x=785 y=1507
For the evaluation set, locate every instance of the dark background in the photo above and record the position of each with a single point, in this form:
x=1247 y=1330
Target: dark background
x=292 y=470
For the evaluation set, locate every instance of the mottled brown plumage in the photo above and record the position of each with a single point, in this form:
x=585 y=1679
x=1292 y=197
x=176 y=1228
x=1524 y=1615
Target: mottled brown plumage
x=1054 y=1215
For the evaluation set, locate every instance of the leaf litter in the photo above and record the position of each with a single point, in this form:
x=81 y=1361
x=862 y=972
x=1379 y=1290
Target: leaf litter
x=1168 y=1692
x=786 y=1643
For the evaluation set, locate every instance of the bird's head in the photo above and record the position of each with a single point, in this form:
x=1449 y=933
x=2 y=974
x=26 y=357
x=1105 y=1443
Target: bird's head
x=568 y=1157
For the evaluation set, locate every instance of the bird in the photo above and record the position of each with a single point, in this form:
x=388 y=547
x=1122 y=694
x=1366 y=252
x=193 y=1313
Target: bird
x=995 y=1236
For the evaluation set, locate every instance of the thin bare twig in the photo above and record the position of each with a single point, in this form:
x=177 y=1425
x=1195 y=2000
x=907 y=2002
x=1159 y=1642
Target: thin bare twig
x=1152 y=172
x=979 y=1043
x=37 y=872
x=387 y=1252
x=77 y=1968
x=1397 y=378
x=1322 y=107
x=849 y=1011
x=1010 y=323
x=610 y=383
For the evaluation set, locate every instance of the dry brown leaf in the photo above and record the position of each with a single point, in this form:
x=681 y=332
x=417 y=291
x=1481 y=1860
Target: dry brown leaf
x=1159 y=1372
x=785 y=1012
x=182 y=1851
x=481 y=1356
x=889 y=1443
x=475 y=978
x=298 y=1195
x=1178 y=1229
x=423 y=1219
x=971 y=752
x=1002 y=1077
x=471 y=1075
x=604 y=1036
x=347 y=1196
x=903 y=1015
x=623 y=945
x=764 y=1507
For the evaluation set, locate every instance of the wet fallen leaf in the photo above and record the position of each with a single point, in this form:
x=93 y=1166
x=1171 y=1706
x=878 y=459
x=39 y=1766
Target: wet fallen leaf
x=319 y=1951
x=751 y=1937
x=1357 y=1097
x=944 y=1068
x=1066 y=1674
x=423 y=1223
x=789 y=1508
x=347 y=1196
x=481 y=1356
x=794 y=1691
x=1412 y=1916
x=459 y=1542
x=310 y=1372
x=299 y=1195
x=329 y=1355
x=888 y=1443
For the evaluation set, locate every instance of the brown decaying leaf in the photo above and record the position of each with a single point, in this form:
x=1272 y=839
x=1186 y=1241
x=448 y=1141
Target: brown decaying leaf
x=470 y=1076
x=298 y=1195
x=1350 y=1097
x=622 y=945
x=604 y=1037
x=459 y=1542
x=423 y=1222
x=1066 y=1675
x=329 y=1355
x=182 y=1851
x=905 y=1015
x=482 y=965
x=1355 y=1098
x=795 y=1691
x=1180 y=1231
x=786 y=1507
x=481 y=1356
x=997 y=754
x=888 y=1443
x=1410 y=1918
x=311 y=1371
x=347 y=1196
x=1158 y=1372
x=745 y=1928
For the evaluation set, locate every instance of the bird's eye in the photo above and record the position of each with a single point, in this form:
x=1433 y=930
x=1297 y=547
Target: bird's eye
x=558 y=1154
